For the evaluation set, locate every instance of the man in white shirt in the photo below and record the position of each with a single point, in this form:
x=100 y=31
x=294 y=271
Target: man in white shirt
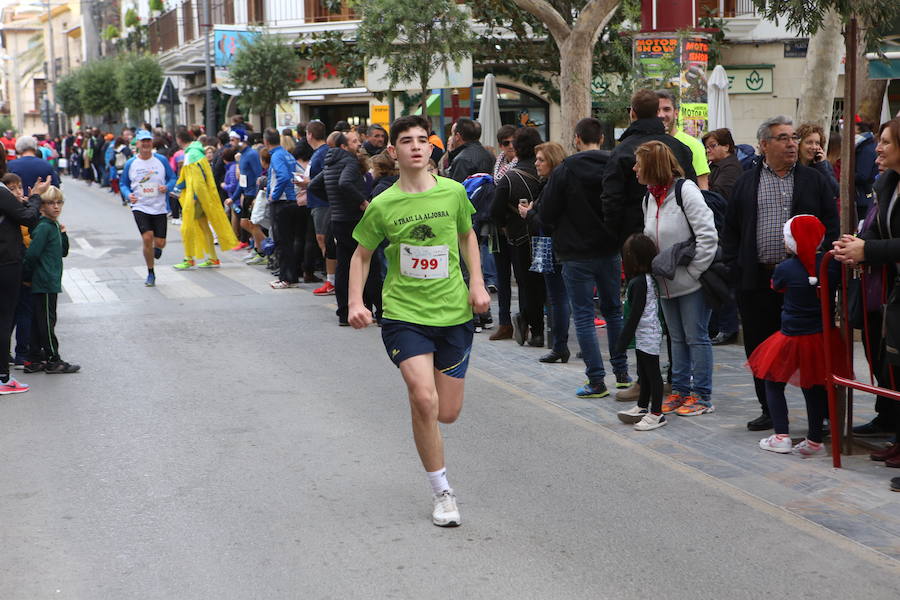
x=147 y=179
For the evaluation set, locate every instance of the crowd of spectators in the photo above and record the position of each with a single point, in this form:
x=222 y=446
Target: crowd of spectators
x=556 y=225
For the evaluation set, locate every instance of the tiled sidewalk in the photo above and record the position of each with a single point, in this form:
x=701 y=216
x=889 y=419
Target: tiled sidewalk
x=854 y=501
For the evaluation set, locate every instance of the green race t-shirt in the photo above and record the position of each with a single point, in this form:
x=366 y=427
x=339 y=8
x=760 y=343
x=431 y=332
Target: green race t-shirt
x=424 y=284
x=701 y=164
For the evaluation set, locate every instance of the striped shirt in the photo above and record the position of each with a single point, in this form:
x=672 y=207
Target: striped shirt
x=773 y=209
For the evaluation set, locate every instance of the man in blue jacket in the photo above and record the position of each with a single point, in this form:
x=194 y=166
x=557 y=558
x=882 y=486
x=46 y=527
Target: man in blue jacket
x=145 y=182
x=287 y=218
x=249 y=168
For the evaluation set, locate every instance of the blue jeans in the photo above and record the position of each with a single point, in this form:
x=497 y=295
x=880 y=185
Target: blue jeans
x=560 y=310
x=581 y=276
x=725 y=319
x=488 y=268
x=687 y=318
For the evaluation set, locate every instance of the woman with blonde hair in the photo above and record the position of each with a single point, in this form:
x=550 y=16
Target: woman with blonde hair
x=675 y=214
x=547 y=157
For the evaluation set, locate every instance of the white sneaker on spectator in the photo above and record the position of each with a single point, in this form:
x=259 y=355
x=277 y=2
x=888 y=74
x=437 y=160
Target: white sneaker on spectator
x=650 y=422
x=806 y=450
x=445 y=512
x=775 y=444
x=632 y=415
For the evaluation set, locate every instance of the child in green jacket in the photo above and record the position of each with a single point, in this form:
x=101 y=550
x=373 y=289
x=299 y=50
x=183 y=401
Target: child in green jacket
x=44 y=266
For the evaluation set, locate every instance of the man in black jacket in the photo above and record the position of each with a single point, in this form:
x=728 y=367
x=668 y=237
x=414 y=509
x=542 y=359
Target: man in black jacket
x=589 y=252
x=622 y=194
x=762 y=200
x=342 y=185
x=468 y=155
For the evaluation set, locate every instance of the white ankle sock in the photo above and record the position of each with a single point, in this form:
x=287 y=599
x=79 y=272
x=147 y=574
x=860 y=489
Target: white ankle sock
x=330 y=278
x=438 y=480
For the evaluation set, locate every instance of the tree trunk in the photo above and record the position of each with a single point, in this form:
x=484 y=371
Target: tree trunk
x=423 y=100
x=823 y=59
x=871 y=99
x=574 y=84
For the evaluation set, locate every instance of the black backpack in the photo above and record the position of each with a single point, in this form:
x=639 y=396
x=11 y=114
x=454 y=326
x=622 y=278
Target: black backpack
x=714 y=200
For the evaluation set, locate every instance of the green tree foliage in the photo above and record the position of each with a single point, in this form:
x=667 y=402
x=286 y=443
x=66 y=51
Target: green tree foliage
x=139 y=79
x=328 y=50
x=110 y=33
x=518 y=45
x=414 y=38
x=806 y=16
x=97 y=87
x=264 y=70
x=68 y=93
x=132 y=19
x=157 y=6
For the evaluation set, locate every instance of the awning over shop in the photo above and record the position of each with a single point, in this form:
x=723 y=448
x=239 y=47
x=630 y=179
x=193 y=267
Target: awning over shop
x=884 y=68
x=433 y=104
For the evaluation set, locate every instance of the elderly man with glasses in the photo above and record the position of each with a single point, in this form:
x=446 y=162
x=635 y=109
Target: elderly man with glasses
x=762 y=200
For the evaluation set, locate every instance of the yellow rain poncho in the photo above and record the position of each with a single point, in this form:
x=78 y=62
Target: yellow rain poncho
x=200 y=205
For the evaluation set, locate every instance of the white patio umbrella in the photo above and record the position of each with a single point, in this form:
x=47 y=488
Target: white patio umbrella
x=489 y=112
x=719 y=104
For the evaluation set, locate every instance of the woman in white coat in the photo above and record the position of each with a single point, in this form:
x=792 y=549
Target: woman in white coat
x=684 y=308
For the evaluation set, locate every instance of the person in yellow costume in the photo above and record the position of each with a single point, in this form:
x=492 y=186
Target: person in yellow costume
x=205 y=211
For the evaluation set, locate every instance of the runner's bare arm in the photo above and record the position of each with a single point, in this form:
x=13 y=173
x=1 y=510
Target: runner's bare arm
x=358 y=315
x=479 y=299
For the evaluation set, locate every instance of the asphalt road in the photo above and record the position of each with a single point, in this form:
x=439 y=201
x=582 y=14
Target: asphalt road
x=227 y=441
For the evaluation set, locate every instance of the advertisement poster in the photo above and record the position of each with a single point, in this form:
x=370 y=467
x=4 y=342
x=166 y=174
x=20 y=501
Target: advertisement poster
x=656 y=57
x=679 y=65
x=226 y=44
x=694 y=112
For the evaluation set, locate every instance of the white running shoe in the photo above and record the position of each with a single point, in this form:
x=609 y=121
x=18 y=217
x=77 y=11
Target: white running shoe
x=445 y=513
x=632 y=415
x=650 y=421
x=774 y=444
x=805 y=450
x=176 y=221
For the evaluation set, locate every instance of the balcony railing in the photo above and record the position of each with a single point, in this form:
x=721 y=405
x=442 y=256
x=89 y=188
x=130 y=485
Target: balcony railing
x=187 y=15
x=222 y=12
x=315 y=12
x=725 y=8
x=163 y=32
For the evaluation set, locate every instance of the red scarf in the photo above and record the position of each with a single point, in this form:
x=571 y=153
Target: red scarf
x=659 y=192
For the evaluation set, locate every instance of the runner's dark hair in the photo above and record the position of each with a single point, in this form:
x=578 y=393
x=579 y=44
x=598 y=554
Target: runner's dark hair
x=408 y=122
x=272 y=137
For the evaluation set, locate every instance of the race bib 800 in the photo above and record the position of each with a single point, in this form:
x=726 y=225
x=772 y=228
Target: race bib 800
x=424 y=262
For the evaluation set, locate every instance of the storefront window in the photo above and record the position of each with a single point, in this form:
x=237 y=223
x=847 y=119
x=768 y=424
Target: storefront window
x=518 y=107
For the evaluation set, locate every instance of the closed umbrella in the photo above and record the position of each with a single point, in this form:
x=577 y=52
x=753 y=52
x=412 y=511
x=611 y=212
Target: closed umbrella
x=719 y=104
x=489 y=112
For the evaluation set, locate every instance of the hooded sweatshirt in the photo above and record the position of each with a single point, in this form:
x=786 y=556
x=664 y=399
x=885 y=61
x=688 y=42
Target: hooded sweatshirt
x=622 y=194
x=570 y=204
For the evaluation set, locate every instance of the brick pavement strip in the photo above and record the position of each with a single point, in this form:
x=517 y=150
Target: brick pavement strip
x=854 y=501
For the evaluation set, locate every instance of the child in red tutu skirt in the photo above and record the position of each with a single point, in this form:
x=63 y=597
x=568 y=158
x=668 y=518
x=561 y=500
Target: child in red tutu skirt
x=796 y=354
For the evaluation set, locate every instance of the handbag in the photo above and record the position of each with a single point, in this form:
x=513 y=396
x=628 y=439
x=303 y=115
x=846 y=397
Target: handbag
x=541 y=254
x=261 y=214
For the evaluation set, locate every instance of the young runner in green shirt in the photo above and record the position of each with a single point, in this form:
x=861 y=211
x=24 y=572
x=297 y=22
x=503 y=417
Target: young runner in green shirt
x=427 y=326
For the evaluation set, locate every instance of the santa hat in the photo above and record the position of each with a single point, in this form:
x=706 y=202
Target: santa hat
x=802 y=235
